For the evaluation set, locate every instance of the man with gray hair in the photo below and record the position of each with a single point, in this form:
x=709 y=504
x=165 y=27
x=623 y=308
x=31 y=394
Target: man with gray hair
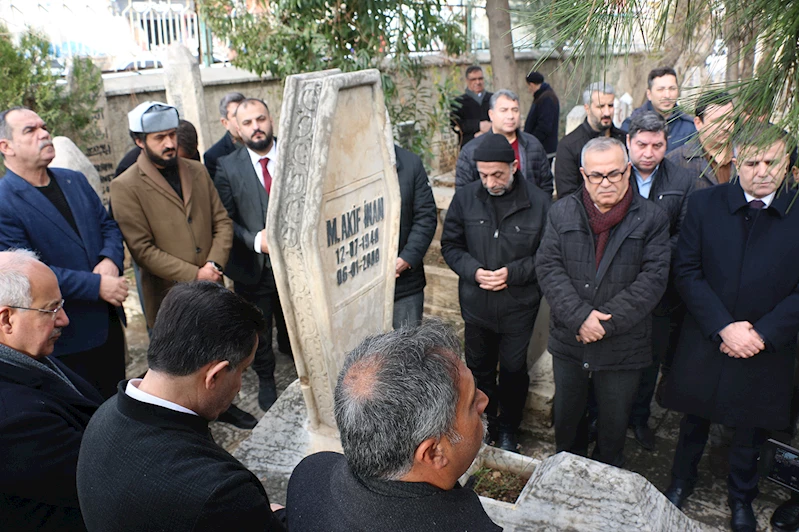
x=505 y=119
x=603 y=265
x=598 y=100
x=44 y=406
x=411 y=423
x=231 y=140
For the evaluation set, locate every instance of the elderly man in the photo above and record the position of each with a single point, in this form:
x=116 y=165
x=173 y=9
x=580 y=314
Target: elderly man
x=44 y=406
x=56 y=213
x=708 y=156
x=176 y=228
x=469 y=115
x=531 y=158
x=661 y=96
x=668 y=186
x=148 y=461
x=735 y=269
x=543 y=118
x=411 y=423
x=603 y=266
x=598 y=100
x=231 y=140
x=490 y=238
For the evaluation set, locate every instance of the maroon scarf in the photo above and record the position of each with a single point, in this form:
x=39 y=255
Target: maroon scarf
x=602 y=223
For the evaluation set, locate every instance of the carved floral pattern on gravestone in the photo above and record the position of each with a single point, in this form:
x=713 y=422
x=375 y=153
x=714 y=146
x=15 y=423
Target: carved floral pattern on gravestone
x=333 y=224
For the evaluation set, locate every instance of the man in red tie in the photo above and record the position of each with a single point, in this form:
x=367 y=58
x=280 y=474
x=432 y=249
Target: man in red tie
x=244 y=180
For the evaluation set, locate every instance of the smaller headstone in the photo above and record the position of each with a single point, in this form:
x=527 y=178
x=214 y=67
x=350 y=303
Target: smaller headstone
x=575 y=118
x=68 y=155
x=623 y=108
x=184 y=90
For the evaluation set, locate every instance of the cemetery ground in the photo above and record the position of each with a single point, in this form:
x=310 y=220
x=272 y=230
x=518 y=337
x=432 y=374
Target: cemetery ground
x=708 y=504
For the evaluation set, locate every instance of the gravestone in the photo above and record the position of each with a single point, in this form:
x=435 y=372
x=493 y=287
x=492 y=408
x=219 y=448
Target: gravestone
x=68 y=155
x=333 y=225
x=99 y=151
x=184 y=90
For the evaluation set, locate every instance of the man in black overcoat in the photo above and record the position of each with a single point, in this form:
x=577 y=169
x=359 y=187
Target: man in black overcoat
x=735 y=270
x=44 y=406
x=147 y=460
x=490 y=238
x=469 y=115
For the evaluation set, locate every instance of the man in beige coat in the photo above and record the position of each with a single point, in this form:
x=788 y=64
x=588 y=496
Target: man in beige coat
x=176 y=228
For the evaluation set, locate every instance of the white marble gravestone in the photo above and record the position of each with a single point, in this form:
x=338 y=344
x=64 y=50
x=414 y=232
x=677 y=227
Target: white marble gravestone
x=333 y=225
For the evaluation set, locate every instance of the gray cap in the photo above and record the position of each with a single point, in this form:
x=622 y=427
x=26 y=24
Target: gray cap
x=150 y=117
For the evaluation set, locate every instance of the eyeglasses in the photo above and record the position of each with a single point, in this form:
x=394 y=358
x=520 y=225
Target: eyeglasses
x=614 y=177
x=53 y=313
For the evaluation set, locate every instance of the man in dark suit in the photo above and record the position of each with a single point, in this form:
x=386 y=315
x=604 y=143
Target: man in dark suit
x=147 y=460
x=244 y=179
x=231 y=140
x=44 y=406
x=56 y=213
x=410 y=419
x=469 y=115
x=418 y=220
x=543 y=119
x=735 y=270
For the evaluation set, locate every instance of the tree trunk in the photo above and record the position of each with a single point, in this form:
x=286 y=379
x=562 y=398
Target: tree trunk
x=732 y=38
x=500 y=44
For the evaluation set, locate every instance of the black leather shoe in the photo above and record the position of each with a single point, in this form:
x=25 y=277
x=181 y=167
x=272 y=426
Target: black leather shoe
x=743 y=518
x=238 y=418
x=786 y=517
x=507 y=441
x=678 y=491
x=267 y=393
x=644 y=436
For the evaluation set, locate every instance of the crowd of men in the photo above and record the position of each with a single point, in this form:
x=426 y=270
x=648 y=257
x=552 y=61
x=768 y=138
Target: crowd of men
x=667 y=253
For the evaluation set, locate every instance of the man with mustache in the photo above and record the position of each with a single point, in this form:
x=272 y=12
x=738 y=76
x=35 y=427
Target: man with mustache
x=176 y=228
x=490 y=239
x=242 y=177
x=44 y=406
x=735 y=270
x=598 y=100
x=55 y=212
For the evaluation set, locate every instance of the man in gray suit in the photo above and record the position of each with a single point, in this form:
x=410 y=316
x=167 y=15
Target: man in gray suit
x=244 y=180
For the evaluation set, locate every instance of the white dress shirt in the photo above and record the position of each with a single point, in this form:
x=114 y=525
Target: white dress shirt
x=271 y=165
x=766 y=199
x=133 y=392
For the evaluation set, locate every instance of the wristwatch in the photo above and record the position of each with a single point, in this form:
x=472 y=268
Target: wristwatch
x=217 y=266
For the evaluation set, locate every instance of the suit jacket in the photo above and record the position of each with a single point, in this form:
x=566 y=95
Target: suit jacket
x=736 y=264
x=168 y=238
x=224 y=146
x=148 y=468
x=42 y=420
x=246 y=202
x=467 y=115
x=324 y=494
x=29 y=220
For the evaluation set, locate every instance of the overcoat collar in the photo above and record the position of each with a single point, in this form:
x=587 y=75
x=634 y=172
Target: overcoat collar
x=154 y=175
x=782 y=200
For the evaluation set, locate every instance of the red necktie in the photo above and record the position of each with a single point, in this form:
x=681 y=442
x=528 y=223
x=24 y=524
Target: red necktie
x=267 y=175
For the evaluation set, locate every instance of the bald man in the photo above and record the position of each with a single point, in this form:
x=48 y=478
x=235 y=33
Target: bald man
x=44 y=406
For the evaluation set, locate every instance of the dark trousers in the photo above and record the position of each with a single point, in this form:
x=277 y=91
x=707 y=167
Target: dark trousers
x=744 y=452
x=665 y=334
x=486 y=348
x=408 y=310
x=614 y=391
x=103 y=366
x=264 y=296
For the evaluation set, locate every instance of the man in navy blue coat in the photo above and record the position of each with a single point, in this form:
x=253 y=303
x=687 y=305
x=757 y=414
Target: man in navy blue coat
x=734 y=365
x=56 y=213
x=44 y=407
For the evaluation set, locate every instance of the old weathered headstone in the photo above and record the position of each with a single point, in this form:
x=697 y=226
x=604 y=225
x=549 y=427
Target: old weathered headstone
x=333 y=224
x=99 y=151
x=184 y=90
x=68 y=155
